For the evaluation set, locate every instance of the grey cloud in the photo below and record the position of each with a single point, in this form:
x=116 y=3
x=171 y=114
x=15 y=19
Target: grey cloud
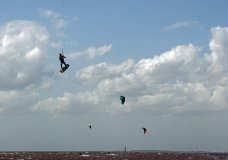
x=17 y=102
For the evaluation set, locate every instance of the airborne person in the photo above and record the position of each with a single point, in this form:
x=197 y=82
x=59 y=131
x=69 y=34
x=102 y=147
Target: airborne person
x=61 y=59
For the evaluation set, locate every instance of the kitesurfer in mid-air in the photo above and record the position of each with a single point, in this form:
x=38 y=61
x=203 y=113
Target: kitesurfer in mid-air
x=61 y=59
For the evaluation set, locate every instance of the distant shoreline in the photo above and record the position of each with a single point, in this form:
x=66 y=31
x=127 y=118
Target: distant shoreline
x=117 y=155
x=108 y=151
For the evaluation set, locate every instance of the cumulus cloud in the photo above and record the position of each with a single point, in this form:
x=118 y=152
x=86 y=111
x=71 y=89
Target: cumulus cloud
x=91 y=52
x=22 y=46
x=169 y=66
x=219 y=46
x=178 y=81
x=68 y=103
x=146 y=84
x=182 y=24
x=96 y=73
x=21 y=66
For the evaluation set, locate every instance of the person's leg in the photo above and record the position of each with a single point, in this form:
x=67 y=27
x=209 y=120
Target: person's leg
x=64 y=63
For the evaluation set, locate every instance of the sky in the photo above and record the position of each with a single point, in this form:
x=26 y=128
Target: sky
x=168 y=58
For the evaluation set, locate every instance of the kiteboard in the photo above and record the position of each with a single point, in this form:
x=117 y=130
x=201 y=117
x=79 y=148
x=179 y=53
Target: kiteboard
x=64 y=68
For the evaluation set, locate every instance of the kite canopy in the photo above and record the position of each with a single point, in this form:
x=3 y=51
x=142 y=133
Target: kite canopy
x=122 y=98
x=144 y=131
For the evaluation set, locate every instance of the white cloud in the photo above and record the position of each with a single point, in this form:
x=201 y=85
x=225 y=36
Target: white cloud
x=68 y=103
x=175 y=82
x=173 y=63
x=96 y=73
x=21 y=66
x=182 y=24
x=219 y=48
x=22 y=58
x=91 y=52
